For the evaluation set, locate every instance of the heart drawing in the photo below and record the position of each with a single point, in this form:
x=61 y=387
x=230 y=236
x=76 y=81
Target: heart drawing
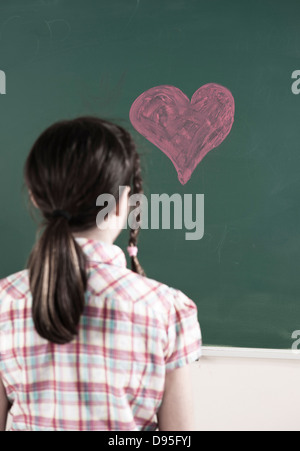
x=184 y=130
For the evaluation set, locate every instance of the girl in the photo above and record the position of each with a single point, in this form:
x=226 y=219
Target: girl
x=85 y=343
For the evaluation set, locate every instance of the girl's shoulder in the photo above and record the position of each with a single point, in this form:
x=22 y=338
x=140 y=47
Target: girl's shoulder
x=14 y=291
x=16 y=285
x=160 y=295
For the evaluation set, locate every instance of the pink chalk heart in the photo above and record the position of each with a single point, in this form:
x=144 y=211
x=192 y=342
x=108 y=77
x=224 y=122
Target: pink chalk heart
x=184 y=130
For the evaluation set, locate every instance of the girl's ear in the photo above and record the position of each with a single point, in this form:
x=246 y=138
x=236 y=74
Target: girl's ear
x=32 y=199
x=122 y=205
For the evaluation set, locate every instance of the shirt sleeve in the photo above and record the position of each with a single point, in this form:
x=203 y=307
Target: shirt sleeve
x=183 y=331
x=9 y=372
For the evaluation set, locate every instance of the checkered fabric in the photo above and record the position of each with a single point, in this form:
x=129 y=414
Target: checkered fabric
x=111 y=376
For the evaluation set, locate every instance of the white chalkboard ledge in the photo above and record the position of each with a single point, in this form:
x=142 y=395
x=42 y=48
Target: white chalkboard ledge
x=251 y=353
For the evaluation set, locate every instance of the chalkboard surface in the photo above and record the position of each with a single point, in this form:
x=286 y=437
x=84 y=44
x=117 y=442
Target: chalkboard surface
x=65 y=58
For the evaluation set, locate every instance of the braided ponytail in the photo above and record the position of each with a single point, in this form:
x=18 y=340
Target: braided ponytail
x=137 y=189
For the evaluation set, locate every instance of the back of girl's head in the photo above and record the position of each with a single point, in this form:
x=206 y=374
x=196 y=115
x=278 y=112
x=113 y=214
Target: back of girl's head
x=69 y=166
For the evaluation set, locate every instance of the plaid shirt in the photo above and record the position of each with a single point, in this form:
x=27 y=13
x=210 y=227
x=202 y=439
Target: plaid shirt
x=111 y=376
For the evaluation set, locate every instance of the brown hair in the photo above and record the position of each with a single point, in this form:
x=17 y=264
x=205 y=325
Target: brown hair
x=69 y=166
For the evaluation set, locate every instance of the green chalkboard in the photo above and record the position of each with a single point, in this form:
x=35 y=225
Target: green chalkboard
x=65 y=58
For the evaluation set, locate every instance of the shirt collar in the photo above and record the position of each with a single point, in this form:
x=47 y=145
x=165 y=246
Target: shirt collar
x=101 y=252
